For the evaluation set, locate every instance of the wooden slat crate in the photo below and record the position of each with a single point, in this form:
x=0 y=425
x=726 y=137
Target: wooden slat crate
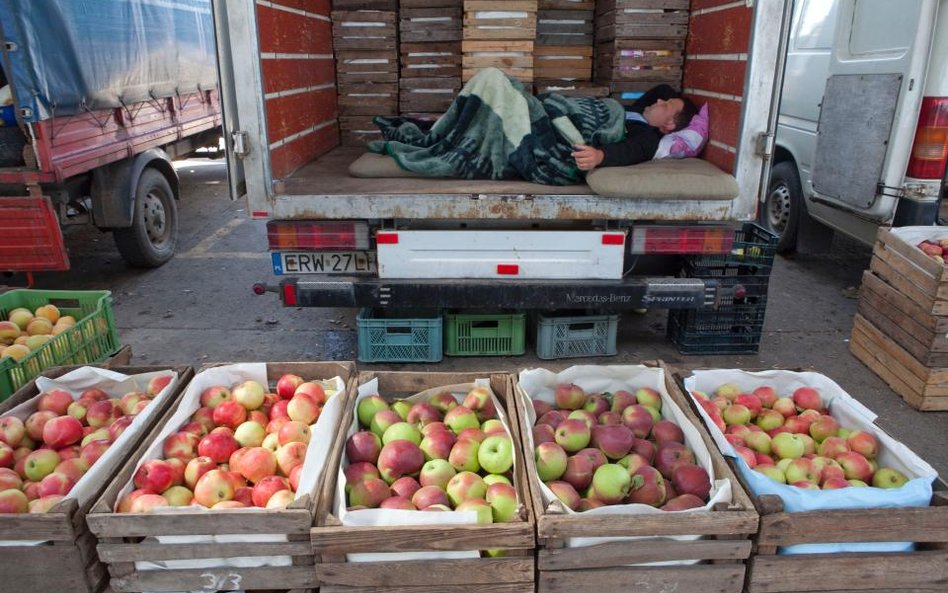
x=126 y=539
x=905 y=267
x=425 y=25
x=358 y=130
x=567 y=4
x=364 y=29
x=571 y=88
x=628 y=92
x=427 y=95
x=562 y=62
x=429 y=60
x=363 y=66
x=650 y=61
x=368 y=99
x=923 y=387
x=565 y=27
x=922 y=570
x=67 y=562
x=403 y=4
x=513 y=57
x=638 y=19
x=500 y=19
x=513 y=572
x=618 y=566
x=365 y=4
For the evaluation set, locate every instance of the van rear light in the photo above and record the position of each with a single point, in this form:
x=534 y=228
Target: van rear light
x=284 y=235
x=930 y=149
x=289 y=294
x=682 y=239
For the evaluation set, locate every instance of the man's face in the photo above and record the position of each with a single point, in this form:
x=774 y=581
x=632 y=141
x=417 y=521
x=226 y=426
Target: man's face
x=662 y=114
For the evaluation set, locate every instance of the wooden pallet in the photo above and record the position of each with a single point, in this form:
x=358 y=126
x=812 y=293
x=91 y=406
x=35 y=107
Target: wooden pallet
x=500 y=19
x=641 y=19
x=513 y=572
x=426 y=25
x=916 y=275
x=919 y=571
x=618 y=566
x=562 y=62
x=513 y=57
x=427 y=95
x=364 y=29
x=649 y=61
x=125 y=539
x=922 y=387
x=565 y=27
x=429 y=60
x=67 y=562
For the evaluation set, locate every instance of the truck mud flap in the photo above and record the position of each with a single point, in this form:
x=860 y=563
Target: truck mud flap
x=631 y=293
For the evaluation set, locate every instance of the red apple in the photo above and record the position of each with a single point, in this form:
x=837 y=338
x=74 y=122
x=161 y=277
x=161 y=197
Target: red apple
x=212 y=396
x=154 y=475
x=213 y=487
x=286 y=385
x=54 y=400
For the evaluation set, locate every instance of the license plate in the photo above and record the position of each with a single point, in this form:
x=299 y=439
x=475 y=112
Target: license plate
x=324 y=262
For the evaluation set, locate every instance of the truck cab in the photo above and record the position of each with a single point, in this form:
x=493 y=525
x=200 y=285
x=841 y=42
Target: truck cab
x=862 y=134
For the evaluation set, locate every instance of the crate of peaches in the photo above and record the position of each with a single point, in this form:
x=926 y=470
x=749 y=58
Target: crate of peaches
x=624 y=480
x=227 y=488
x=827 y=481
x=59 y=448
x=430 y=489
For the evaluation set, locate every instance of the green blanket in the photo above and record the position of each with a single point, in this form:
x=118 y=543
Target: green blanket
x=495 y=129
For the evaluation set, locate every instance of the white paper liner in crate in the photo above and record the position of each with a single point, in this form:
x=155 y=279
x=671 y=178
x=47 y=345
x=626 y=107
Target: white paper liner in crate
x=115 y=385
x=913 y=235
x=541 y=384
x=394 y=517
x=851 y=414
x=316 y=453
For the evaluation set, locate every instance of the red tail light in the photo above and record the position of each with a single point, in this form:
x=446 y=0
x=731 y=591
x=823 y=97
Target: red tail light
x=289 y=294
x=930 y=149
x=284 y=235
x=682 y=239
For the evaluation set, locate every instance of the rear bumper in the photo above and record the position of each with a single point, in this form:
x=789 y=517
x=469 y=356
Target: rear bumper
x=629 y=293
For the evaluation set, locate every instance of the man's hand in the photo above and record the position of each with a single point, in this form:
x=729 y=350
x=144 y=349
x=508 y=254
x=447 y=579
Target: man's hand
x=587 y=157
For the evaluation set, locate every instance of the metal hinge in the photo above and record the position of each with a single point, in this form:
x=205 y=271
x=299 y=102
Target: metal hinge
x=765 y=144
x=241 y=143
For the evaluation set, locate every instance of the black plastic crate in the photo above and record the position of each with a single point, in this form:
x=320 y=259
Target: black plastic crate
x=751 y=255
x=740 y=290
x=732 y=329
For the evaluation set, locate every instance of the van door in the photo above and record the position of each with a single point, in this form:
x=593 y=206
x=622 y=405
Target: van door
x=869 y=110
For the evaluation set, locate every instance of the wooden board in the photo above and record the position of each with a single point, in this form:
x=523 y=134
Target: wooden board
x=357 y=130
x=428 y=60
x=566 y=62
x=723 y=549
x=511 y=56
x=500 y=19
x=565 y=27
x=571 y=88
x=937 y=271
x=927 y=345
x=421 y=25
x=364 y=29
x=125 y=539
x=332 y=541
x=365 y=4
x=567 y=5
x=655 y=60
x=428 y=95
x=921 y=387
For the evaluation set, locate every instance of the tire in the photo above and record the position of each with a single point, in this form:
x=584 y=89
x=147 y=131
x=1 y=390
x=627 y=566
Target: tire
x=151 y=240
x=780 y=212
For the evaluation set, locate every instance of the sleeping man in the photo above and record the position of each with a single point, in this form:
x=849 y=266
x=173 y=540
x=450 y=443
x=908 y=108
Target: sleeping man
x=495 y=129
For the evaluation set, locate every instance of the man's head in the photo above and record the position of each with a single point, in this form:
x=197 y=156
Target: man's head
x=669 y=115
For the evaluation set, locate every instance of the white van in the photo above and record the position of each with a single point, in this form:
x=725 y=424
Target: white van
x=862 y=138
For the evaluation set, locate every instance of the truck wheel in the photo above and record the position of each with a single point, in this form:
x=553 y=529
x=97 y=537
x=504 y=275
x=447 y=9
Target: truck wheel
x=153 y=236
x=780 y=212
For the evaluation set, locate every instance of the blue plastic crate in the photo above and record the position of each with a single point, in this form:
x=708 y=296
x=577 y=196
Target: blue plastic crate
x=571 y=334
x=399 y=336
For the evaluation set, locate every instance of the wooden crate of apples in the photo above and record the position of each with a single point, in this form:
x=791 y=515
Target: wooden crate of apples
x=59 y=448
x=430 y=490
x=902 y=322
x=631 y=493
x=828 y=484
x=224 y=495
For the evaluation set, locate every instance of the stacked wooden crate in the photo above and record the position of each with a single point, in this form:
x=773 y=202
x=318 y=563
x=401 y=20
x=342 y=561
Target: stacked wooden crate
x=430 y=52
x=499 y=33
x=563 y=55
x=900 y=329
x=366 y=65
x=640 y=44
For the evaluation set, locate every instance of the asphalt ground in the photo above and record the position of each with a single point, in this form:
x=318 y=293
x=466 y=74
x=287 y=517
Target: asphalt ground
x=199 y=308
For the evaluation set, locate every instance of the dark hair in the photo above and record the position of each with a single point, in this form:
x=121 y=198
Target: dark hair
x=684 y=116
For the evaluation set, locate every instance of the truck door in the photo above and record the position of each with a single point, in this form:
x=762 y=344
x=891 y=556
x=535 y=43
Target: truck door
x=869 y=109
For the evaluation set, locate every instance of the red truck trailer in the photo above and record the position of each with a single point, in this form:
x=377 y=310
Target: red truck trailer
x=102 y=98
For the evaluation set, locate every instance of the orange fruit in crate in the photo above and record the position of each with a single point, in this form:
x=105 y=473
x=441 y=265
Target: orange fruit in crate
x=21 y=316
x=50 y=312
x=17 y=352
x=39 y=326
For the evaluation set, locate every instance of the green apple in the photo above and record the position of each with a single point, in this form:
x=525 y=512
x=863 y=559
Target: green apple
x=401 y=407
x=889 y=477
x=503 y=502
x=368 y=406
x=788 y=445
x=611 y=483
x=495 y=454
x=401 y=431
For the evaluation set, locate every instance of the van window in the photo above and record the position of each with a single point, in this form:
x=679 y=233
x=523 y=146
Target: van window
x=817 y=24
x=883 y=27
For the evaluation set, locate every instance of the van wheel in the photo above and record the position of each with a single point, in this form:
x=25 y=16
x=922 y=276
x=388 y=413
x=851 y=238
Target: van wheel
x=153 y=236
x=780 y=212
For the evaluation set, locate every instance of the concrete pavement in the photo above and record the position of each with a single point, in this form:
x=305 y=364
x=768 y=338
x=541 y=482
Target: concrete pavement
x=199 y=308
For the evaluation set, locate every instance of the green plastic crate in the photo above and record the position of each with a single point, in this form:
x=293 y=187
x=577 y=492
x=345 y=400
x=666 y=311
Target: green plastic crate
x=93 y=338
x=571 y=334
x=399 y=336
x=484 y=334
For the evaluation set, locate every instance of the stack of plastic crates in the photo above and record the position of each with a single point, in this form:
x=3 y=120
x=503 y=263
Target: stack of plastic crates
x=734 y=324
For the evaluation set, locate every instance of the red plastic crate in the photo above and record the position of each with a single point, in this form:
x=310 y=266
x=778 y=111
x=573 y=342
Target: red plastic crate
x=30 y=237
